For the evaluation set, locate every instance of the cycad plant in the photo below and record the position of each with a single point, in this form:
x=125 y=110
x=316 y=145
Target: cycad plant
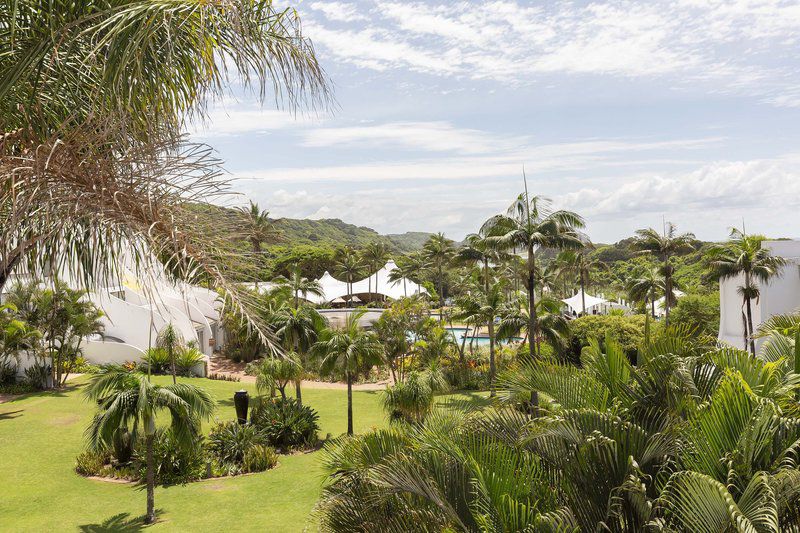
x=130 y=400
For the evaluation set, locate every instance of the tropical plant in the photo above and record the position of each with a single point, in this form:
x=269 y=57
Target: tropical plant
x=298 y=329
x=229 y=443
x=374 y=256
x=578 y=264
x=129 y=399
x=402 y=324
x=664 y=246
x=95 y=98
x=482 y=308
x=553 y=327
x=348 y=352
x=745 y=256
x=412 y=400
x=438 y=253
x=285 y=422
x=406 y=269
x=15 y=335
x=300 y=286
x=187 y=359
x=529 y=225
x=276 y=373
x=349 y=266
x=156 y=361
x=171 y=341
x=258 y=229
x=646 y=286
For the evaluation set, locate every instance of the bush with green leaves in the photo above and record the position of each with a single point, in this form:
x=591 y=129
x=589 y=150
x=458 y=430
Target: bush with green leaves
x=174 y=464
x=259 y=458
x=92 y=463
x=186 y=360
x=629 y=331
x=156 y=361
x=229 y=442
x=8 y=373
x=284 y=423
x=698 y=313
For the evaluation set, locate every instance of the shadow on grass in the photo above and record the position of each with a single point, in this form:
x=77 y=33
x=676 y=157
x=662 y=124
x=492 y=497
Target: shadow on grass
x=57 y=393
x=464 y=400
x=121 y=522
x=9 y=415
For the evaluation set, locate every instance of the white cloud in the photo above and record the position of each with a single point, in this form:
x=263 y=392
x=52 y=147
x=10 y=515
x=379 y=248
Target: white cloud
x=338 y=11
x=716 y=186
x=231 y=119
x=712 y=45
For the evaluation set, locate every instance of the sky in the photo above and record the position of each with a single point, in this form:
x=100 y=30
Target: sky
x=629 y=113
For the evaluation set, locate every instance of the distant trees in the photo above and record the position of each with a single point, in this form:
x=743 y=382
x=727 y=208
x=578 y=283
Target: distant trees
x=438 y=252
x=664 y=246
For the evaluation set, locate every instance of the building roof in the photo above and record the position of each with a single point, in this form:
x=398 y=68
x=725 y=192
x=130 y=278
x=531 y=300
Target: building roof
x=576 y=302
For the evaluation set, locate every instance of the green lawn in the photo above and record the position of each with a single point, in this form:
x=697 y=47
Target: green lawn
x=41 y=434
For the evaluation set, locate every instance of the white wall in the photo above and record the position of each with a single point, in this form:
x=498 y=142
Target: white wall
x=780 y=295
x=101 y=353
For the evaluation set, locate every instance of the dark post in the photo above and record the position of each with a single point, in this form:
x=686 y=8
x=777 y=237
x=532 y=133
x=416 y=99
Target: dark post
x=240 y=401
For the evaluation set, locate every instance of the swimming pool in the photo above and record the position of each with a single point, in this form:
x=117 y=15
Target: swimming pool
x=458 y=335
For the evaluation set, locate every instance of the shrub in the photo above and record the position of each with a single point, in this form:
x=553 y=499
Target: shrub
x=158 y=361
x=410 y=401
x=224 y=377
x=627 y=330
x=259 y=458
x=697 y=313
x=82 y=366
x=92 y=463
x=228 y=442
x=284 y=423
x=18 y=388
x=186 y=360
x=36 y=376
x=174 y=464
x=8 y=374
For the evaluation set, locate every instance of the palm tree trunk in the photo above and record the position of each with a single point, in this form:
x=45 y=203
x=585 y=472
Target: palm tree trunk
x=750 y=332
x=298 y=394
x=668 y=291
x=583 y=294
x=492 y=367
x=652 y=306
x=532 y=322
x=349 y=404
x=441 y=292
x=172 y=362
x=150 y=517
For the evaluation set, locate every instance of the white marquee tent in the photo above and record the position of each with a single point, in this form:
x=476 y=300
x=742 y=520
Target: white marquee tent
x=575 y=303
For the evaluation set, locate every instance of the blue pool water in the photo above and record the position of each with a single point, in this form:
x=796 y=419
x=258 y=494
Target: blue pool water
x=458 y=334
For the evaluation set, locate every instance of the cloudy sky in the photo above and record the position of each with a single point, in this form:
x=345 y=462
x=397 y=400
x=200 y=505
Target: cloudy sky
x=626 y=112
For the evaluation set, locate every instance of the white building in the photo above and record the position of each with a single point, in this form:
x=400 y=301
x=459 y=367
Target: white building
x=133 y=317
x=780 y=295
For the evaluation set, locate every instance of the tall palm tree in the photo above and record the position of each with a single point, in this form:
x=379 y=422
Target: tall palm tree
x=406 y=269
x=480 y=248
x=744 y=256
x=259 y=230
x=483 y=308
x=553 y=327
x=172 y=342
x=129 y=398
x=647 y=286
x=374 y=256
x=438 y=252
x=664 y=246
x=349 y=266
x=349 y=351
x=528 y=225
x=298 y=328
x=99 y=94
x=299 y=285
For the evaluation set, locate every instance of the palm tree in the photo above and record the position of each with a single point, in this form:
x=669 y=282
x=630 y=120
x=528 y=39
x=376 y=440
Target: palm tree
x=349 y=351
x=530 y=224
x=438 y=252
x=298 y=329
x=349 y=266
x=258 y=229
x=404 y=270
x=129 y=398
x=99 y=94
x=276 y=373
x=299 y=285
x=374 y=256
x=482 y=309
x=647 y=286
x=172 y=342
x=663 y=246
x=578 y=264
x=553 y=327
x=480 y=248
x=744 y=256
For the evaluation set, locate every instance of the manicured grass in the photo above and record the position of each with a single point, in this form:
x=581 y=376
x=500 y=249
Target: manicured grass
x=41 y=434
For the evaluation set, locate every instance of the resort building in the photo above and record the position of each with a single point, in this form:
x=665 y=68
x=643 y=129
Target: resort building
x=780 y=295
